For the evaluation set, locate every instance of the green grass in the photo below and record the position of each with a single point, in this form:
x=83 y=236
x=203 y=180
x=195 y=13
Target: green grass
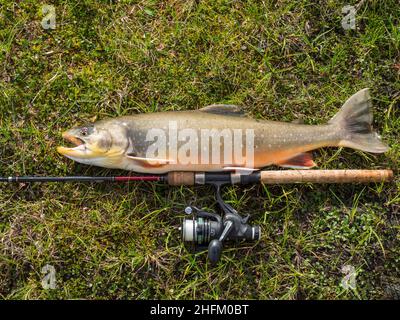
x=281 y=60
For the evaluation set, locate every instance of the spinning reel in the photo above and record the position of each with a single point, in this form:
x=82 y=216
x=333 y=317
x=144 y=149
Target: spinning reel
x=208 y=228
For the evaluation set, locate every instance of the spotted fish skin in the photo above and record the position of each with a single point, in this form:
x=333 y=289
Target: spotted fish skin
x=123 y=142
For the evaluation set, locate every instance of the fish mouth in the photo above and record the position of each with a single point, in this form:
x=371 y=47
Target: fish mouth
x=79 y=148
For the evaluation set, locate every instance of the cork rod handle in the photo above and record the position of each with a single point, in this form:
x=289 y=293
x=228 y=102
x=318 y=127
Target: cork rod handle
x=325 y=176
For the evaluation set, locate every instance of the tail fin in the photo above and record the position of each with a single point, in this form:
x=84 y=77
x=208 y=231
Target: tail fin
x=354 y=120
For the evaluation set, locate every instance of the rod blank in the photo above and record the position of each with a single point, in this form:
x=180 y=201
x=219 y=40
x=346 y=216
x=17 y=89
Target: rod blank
x=30 y=179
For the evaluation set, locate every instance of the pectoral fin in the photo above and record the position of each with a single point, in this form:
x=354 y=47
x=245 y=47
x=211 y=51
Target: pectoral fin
x=300 y=161
x=149 y=162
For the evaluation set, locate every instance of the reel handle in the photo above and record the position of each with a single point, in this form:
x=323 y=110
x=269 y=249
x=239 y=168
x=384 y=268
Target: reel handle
x=215 y=246
x=214 y=251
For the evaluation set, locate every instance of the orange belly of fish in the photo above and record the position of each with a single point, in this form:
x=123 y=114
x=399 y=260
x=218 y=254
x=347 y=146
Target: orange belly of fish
x=266 y=158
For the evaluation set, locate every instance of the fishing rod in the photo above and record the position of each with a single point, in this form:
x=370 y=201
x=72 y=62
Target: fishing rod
x=210 y=229
x=188 y=178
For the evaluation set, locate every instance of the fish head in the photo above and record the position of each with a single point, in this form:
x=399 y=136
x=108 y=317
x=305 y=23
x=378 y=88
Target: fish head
x=94 y=144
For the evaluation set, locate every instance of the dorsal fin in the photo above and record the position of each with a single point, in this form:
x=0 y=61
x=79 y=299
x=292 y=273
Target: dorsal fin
x=225 y=109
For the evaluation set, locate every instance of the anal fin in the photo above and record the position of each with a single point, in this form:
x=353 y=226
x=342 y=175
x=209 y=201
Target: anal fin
x=299 y=161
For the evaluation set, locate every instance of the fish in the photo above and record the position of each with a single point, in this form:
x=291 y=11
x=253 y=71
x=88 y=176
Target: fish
x=218 y=138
